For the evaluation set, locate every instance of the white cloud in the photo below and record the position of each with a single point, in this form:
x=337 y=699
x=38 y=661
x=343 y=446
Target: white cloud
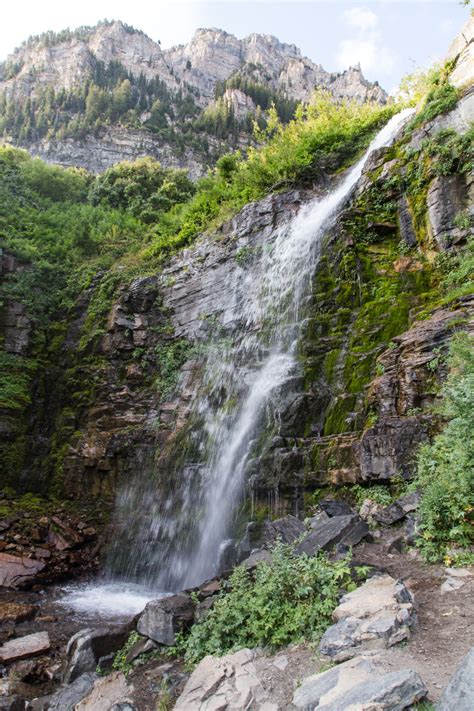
x=365 y=43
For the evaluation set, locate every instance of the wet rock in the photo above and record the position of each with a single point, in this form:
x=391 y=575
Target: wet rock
x=67 y=697
x=459 y=693
x=387 y=448
x=162 y=619
x=16 y=572
x=261 y=556
x=333 y=507
x=348 y=530
x=85 y=649
x=409 y=502
x=107 y=694
x=360 y=684
x=229 y=682
x=22 y=647
x=388 y=515
x=379 y=613
x=405 y=222
x=14 y=612
x=286 y=529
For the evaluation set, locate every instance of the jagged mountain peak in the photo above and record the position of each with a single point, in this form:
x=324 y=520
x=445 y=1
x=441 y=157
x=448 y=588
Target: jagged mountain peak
x=95 y=95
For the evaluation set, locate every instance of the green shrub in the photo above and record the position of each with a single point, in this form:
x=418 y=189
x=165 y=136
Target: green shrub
x=142 y=187
x=287 y=600
x=445 y=468
x=440 y=97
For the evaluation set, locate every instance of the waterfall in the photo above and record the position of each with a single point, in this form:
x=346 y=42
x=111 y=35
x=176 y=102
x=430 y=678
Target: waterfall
x=176 y=528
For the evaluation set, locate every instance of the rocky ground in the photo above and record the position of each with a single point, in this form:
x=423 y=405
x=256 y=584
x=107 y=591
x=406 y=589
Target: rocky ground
x=403 y=632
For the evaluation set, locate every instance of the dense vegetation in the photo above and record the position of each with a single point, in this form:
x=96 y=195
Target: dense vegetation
x=445 y=472
x=289 y=599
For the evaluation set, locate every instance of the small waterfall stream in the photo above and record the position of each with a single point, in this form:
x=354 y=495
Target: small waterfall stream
x=175 y=531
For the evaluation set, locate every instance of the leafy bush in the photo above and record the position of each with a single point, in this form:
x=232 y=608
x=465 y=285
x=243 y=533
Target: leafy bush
x=445 y=468
x=142 y=187
x=287 y=600
x=440 y=97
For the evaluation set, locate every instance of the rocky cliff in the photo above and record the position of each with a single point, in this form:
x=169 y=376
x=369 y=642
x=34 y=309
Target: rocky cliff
x=47 y=105
x=104 y=405
x=371 y=359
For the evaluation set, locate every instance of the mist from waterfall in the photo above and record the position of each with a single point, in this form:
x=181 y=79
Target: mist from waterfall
x=174 y=528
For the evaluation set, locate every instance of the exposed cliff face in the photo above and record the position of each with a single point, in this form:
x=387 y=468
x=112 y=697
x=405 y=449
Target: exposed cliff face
x=71 y=61
x=114 y=144
x=361 y=404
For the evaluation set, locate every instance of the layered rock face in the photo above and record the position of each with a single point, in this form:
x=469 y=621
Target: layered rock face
x=69 y=61
x=369 y=373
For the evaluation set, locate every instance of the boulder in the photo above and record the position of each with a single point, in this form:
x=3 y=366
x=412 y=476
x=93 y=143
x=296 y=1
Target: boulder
x=69 y=696
x=109 y=693
x=88 y=646
x=333 y=507
x=459 y=693
x=360 y=684
x=229 y=682
x=379 y=613
x=286 y=529
x=16 y=572
x=347 y=530
x=389 y=514
x=162 y=618
x=23 y=647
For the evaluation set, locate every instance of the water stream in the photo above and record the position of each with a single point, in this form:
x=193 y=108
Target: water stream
x=175 y=528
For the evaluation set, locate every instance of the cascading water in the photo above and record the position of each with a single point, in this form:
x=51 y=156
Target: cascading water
x=176 y=525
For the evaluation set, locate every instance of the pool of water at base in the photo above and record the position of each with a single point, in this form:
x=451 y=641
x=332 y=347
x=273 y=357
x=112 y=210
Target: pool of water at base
x=104 y=600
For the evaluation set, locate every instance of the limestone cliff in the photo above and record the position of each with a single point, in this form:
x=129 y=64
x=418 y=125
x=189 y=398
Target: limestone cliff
x=48 y=80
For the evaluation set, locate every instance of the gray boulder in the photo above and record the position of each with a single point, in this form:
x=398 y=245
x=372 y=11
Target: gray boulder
x=333 y=507
x=85 y=649
x=69 y=696
x=459 y=693
x=347 y=530
x=377 y=614
x=360 y=684
x=162 y=619
x=286 y=529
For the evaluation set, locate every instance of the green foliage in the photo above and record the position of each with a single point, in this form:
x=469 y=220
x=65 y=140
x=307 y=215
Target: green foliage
x=323 y=136
x=120 y=662
x=142 y=187
x=440 y=97
x=445 y=468
x=170 y=357
x=287 y=600
x=383 y=494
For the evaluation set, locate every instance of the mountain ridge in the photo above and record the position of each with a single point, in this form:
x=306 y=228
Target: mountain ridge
x=200 y=96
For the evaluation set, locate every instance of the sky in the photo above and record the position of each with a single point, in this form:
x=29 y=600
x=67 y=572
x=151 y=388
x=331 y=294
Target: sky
x=389 y=38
